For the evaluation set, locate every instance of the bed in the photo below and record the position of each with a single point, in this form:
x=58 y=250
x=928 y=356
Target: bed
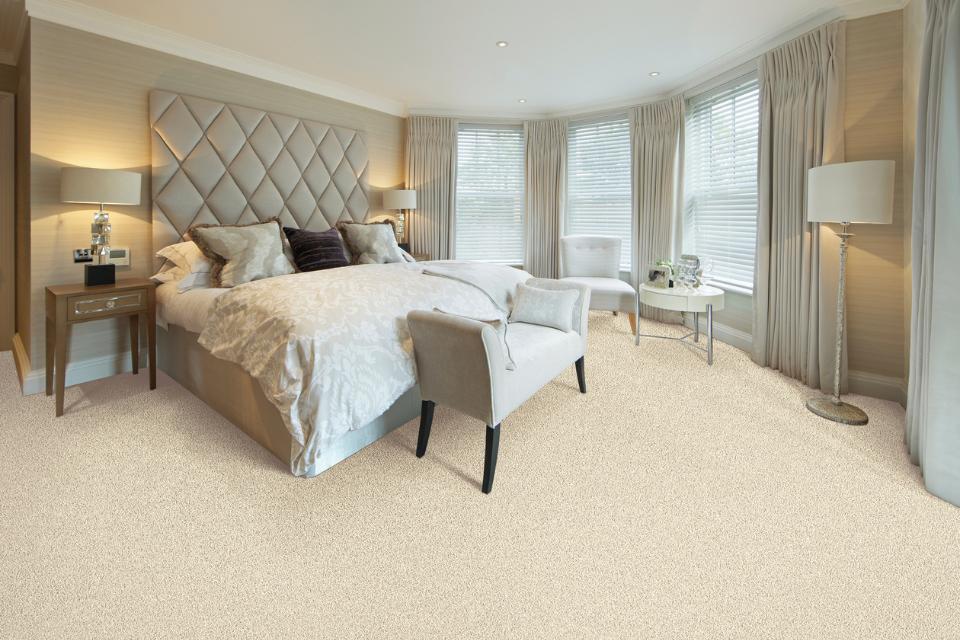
x=313 y=366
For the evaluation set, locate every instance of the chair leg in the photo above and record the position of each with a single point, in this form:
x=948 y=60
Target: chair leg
x=581 y=377
x=490 y=457
x=426 y=420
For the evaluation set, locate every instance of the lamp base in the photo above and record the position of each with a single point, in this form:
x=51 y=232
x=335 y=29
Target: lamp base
x=844 y=413
x=95 y=275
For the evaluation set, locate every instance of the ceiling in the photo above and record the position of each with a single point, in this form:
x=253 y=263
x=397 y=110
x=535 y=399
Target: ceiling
x=441 y=56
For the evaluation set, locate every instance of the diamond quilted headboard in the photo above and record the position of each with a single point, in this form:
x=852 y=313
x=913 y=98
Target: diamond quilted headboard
x=219 y=163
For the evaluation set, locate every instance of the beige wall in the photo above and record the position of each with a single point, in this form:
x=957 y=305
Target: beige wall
x=89 y=108
x=873 y=123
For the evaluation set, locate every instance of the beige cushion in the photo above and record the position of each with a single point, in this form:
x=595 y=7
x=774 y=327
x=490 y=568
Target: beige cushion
x=243 y=253
x=590 y=256
x=549 y=308
x=373 y=243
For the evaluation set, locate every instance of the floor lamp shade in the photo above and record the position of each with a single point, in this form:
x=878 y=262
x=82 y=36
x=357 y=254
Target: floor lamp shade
x=99 y=186
x=851 y=192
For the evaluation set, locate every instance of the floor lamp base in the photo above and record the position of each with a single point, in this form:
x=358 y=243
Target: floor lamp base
x=825 y=407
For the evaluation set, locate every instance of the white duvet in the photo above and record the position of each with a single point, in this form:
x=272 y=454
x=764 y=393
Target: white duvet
x=331 y=348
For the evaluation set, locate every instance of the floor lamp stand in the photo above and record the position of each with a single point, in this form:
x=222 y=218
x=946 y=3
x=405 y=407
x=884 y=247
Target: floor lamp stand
x=832 y=408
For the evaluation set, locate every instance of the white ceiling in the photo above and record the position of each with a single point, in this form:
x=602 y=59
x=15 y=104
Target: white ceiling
x=440 y=56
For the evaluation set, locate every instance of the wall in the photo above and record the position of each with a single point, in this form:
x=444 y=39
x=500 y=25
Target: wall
x=89 y=96
x=914 y=16
x=873 y=125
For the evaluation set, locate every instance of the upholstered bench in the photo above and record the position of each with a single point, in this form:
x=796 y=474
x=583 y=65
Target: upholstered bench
x=462 y=364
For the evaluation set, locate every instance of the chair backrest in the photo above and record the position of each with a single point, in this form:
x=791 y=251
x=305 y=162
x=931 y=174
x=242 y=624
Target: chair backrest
x=590 y=257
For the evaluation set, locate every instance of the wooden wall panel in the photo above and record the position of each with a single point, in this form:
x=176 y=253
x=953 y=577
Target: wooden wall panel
x=22 y=213
x=874 y=119
x=90 y=109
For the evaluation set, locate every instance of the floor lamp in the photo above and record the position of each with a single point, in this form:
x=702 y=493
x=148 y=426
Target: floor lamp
x=847 y=193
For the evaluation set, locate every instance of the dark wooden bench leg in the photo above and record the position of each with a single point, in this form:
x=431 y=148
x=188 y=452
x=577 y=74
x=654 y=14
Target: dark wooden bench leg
x=426 y=420
x=490 y=457
x=581 y=378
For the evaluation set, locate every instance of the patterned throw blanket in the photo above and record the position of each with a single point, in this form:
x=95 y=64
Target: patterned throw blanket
x=331 y=349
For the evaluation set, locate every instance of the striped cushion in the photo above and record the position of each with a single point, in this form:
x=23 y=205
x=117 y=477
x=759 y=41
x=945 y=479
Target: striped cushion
x=316 y=250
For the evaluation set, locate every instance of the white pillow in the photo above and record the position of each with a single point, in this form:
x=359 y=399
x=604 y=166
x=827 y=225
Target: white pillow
x=187 y=256
x=545 y=307
x=168 y=273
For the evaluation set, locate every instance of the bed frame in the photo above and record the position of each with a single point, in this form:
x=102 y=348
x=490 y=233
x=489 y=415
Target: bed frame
x=217 y=163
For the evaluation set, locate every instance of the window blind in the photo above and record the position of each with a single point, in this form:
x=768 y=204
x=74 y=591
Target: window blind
x=490 y=193
x=598 y=181
x=720 y=207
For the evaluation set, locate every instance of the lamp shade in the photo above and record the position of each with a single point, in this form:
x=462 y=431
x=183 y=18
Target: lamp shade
x=99 y=186
x=400 y=199
x=860 y=192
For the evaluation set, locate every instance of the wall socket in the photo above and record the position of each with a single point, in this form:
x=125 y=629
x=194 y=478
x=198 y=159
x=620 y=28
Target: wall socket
x=82 y=255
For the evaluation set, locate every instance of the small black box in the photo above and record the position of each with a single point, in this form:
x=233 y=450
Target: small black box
x=98 y=274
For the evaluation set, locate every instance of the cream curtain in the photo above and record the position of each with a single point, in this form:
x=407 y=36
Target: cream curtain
x=656 y=135
x=801 y=126
x=431 y=170
x=546 y=170
x=933 y=404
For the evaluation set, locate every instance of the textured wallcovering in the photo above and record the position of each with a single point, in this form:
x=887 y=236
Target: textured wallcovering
x=215 y=163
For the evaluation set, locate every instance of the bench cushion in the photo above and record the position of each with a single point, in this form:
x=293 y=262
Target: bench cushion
x=541 y=354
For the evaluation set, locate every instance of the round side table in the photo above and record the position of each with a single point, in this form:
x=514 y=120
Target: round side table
x=703 y=299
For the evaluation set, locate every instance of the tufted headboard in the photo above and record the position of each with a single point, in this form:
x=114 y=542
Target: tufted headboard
x=220 y=163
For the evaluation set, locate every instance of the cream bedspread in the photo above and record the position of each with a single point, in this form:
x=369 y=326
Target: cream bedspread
x=331 y=349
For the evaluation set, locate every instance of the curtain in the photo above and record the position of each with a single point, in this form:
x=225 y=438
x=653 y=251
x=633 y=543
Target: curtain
x=656 y=136
x=431 y=170
x=933 y=403
x=801 y=126
x=546 y=170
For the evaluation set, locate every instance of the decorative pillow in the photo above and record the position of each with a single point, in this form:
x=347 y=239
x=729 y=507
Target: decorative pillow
x=371 y=243
x=243 y=253
x=546 y=307
x=316 y=250
x=498 y=325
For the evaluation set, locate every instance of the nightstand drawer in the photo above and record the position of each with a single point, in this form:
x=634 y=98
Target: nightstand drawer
x=88 y=307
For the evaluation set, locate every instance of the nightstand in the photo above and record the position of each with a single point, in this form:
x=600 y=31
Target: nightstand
x=70 y=304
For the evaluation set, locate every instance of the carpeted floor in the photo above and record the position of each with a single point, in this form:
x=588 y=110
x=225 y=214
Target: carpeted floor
x=672 y=501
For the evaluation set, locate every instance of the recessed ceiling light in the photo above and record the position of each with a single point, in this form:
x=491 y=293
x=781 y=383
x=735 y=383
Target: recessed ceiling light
x=502 y=43
x=654 y=74
x=522 y=100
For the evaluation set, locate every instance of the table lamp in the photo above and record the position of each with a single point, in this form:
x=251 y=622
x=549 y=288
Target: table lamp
x=847 y=193
x=99 y=186
x=400 y=200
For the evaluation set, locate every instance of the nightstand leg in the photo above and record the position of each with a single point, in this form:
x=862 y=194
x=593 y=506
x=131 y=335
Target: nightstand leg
x=135 y=343
x=60 y=364
x=51 y=345
x=709 y=334
x=152 y=349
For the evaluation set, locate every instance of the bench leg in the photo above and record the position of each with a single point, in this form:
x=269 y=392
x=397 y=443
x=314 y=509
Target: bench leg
x=581 y=377
x=426 y=420
x=490 y=457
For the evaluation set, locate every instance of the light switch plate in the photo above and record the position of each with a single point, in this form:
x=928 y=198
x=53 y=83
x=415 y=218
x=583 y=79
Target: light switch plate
x=82 y=255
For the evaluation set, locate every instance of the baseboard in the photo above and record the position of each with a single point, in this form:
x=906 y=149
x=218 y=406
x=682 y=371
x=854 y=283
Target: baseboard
x=20 y=358
x=874 y=385
x=726 y=334
x=83 y=371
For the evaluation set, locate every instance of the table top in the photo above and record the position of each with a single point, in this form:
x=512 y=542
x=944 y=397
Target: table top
x=704 y=290
x=80 y=288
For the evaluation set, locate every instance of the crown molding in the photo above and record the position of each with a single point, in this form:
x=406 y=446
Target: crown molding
x=719 y=70
x=86 y=18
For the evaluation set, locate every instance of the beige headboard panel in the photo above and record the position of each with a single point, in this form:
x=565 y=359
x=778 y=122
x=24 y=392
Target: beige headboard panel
x=220 y=163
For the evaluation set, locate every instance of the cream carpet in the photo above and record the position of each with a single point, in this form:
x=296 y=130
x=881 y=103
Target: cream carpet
x=672 y=501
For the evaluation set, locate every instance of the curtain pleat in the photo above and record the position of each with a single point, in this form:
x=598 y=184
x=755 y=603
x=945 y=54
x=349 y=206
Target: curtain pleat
x=431 y=170
x=795 y=279
x=656 y=135
x=546 y=169
x=933 y=404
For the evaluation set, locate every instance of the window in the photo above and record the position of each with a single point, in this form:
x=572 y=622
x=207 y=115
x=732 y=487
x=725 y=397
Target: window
x=720 y=207
x=598 y=181
x=489 y=196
